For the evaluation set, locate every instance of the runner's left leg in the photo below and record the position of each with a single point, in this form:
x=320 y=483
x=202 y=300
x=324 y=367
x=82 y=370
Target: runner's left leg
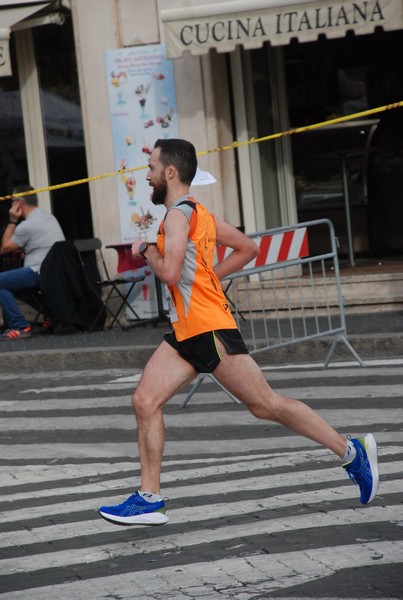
x=165 y=373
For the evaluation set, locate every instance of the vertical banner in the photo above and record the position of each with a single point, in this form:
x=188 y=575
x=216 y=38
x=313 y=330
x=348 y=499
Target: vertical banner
x=142 y=104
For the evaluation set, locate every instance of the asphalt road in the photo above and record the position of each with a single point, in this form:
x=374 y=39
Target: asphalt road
x=255 y=511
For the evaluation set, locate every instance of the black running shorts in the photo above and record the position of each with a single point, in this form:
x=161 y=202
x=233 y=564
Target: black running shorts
x=201 y=350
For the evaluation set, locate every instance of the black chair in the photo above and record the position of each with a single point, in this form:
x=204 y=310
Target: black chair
x=35 y=298
x=91 y=255
x=74 y=303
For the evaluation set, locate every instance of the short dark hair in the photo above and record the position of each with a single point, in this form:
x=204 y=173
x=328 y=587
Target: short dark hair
x=181 y=154
x=30 y=199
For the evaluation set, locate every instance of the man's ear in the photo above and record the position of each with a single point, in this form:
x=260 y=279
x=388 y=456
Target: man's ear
x=170 y=172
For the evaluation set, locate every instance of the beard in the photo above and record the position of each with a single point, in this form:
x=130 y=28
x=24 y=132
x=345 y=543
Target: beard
x=159 y=193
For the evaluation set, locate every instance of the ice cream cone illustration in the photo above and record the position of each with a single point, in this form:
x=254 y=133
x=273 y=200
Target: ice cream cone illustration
x=118 y=80
x=141 y=92
x=143 y=221
x=130 y=184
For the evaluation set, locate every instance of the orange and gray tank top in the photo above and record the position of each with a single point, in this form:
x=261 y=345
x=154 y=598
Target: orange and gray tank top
x=197 y=302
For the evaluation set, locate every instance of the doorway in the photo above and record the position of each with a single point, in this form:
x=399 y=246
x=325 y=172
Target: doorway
x=62 y=125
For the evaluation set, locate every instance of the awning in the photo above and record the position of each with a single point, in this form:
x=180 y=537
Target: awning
x=250 y=23
x=11 y=13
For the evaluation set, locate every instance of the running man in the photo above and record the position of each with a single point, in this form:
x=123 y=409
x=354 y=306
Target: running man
x=205 y=338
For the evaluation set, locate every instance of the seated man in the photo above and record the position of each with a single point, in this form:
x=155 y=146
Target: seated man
x=35 y=235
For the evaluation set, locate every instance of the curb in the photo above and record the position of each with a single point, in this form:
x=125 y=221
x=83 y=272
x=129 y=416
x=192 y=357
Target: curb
x=376 y=346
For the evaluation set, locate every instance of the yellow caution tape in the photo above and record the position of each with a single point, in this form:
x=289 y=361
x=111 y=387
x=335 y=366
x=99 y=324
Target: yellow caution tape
x=235 y=144
x=273 y=136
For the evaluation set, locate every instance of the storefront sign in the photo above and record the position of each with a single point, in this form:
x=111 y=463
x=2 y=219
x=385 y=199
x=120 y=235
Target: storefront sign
x=11 y=13
x=142 y=104
x=255 y=24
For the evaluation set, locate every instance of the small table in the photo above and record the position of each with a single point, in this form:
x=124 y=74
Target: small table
x=126 y=262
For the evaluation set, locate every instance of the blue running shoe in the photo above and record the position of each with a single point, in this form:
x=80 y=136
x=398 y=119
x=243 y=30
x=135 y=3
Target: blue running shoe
x=363 y=470
x=135 y=511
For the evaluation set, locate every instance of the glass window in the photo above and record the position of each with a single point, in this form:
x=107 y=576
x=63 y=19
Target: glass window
x=332 y=78
x=266 y=115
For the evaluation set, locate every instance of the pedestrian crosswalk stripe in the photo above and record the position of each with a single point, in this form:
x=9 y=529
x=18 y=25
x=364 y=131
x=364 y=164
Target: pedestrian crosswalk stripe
x=80 y=450
x=198 y=536
x=188 y=472
x=218 y=510
x=264 y=483
x=338 y=417
x=262 y=573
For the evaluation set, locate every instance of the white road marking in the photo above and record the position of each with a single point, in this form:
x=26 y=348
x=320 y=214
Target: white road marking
x=13 y=475
x=350 y=418
x=258 y=574
x=110 y=496
x=314 y=370
x=121 y=450
x=177 y=541
x=340 y=364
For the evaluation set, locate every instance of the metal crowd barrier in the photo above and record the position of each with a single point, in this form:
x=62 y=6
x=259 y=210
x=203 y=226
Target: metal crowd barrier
x=289 y=294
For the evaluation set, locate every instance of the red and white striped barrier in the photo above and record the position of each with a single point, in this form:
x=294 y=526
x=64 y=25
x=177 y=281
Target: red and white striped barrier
x=275 y=248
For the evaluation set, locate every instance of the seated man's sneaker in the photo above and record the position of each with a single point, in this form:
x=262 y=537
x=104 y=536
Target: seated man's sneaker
x=136 y=510
x=16 y=334
x=363 y=470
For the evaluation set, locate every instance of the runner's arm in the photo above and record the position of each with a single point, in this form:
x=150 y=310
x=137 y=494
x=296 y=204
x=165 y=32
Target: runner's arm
x=168 y=268
x=243 y=249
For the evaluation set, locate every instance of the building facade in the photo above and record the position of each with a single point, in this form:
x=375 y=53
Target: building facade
x=244 y=70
